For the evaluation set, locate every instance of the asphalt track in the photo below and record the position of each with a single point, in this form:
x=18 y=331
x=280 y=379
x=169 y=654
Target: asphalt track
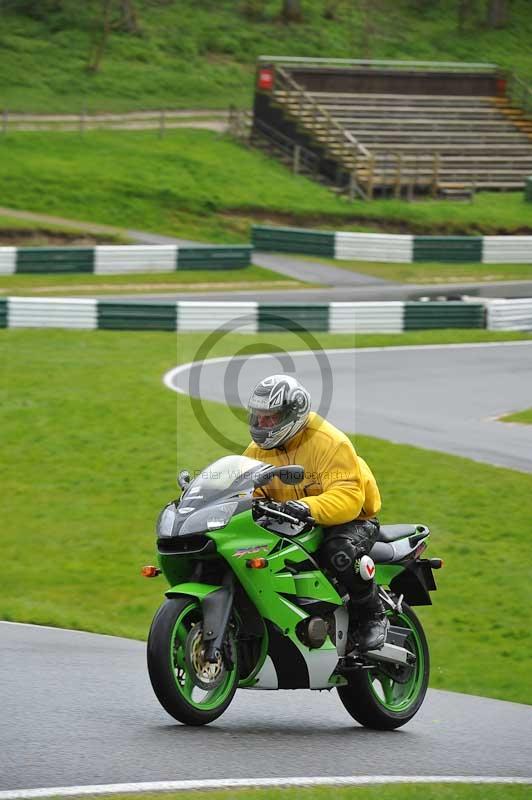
x=77 y=709
x=443 y=398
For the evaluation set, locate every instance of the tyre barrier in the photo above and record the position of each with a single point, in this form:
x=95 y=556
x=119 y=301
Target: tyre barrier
x=509 y=315
x=51 y=312
x=251 y=317
x=398 y=248
x=122 y=259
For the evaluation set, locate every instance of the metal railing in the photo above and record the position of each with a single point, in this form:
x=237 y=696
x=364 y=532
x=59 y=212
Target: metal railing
x=160 y=120
x=399 y=176
x=239 y=123
x=301 y=158
x=330 y=132
x=320 y=113
x=520 y=93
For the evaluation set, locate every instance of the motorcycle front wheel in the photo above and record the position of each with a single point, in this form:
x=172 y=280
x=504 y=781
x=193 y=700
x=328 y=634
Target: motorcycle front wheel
x=191 y=690
x=387 y=697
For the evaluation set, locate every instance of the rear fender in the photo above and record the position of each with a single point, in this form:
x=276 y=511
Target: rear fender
x=415 y=582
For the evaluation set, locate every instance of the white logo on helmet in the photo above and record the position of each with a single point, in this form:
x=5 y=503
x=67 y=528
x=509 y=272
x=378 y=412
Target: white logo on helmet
x=277 y=398
x=301 y=400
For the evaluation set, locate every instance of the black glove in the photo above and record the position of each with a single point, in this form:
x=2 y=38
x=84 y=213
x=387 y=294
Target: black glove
x=296 y=509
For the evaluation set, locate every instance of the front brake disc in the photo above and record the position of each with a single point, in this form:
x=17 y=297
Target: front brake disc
x=204 y=674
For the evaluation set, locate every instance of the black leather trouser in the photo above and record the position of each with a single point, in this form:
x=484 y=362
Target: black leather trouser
x=339 y=553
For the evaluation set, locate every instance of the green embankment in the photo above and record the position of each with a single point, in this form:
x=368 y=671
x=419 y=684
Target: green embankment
x=91 y=444
x=203 y=186
x=18 y=232
x=525 y=417
x=193 y=55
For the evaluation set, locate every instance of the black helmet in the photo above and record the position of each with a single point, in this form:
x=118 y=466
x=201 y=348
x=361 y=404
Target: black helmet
x=278 y=408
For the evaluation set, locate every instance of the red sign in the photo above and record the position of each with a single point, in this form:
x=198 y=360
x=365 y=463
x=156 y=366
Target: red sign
x=501 y=87
x=265 y=79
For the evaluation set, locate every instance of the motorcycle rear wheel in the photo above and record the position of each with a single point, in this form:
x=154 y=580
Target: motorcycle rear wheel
x=174 y=631
x=375 y=699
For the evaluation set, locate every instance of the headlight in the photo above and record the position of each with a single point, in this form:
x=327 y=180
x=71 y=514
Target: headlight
x=209 y=519
x=165 y=523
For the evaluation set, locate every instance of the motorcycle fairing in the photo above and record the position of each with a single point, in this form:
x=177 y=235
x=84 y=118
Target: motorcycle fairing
x=291 y=573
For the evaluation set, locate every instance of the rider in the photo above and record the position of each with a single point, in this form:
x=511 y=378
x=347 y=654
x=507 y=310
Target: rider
x=338 y=491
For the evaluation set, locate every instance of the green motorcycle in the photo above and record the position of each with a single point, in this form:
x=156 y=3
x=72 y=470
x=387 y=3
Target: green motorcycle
x=249 y=607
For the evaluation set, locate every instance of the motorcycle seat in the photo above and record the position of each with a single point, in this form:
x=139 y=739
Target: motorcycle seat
x=388 y=553
x=391 y=533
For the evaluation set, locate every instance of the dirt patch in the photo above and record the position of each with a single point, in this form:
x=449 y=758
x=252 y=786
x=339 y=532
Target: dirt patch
x=16 y=237
x=334 y=222
x=96 y=288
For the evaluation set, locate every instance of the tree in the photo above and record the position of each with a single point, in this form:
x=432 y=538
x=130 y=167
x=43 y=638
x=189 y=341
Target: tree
x=291 y=11
x=331 y=9
x=252 y=9
x=497 y=13
x=111 y=15
x=466 y=10
x=129 y=18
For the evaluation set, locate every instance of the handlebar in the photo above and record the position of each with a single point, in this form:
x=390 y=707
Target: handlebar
x=271 y=510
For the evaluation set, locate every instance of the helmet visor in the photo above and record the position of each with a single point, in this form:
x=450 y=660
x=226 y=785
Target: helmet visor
x=265 y=419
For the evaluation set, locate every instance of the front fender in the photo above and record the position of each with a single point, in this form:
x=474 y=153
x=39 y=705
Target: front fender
x=198 y=590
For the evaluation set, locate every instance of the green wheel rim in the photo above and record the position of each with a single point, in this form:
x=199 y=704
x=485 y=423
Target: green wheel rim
x=394 y=696
x=195 y=696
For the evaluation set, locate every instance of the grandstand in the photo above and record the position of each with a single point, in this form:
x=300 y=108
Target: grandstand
x=373 y=127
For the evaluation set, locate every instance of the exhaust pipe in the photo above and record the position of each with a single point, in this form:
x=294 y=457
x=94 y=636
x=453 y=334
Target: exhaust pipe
x=392 y=654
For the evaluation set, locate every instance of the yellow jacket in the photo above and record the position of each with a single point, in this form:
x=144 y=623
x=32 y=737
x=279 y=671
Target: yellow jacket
x=338 y=485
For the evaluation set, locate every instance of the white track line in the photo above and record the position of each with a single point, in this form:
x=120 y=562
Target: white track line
x=171 y=375
x=238 y=783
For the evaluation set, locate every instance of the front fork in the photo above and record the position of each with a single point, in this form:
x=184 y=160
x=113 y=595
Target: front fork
x=217 y=608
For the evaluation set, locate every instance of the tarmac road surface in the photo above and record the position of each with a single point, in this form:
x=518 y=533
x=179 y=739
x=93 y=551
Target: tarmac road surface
x=77 y=709
x=444 y=398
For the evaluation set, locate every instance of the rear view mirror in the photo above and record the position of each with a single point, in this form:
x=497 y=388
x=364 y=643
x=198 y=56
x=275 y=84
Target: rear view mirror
x=292 y=474
x=183 y=479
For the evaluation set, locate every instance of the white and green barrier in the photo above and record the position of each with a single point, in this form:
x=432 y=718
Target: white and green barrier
x=50 y=312
x=250 y=317
x=399 y=248
x=509 y=315
x=122 y=259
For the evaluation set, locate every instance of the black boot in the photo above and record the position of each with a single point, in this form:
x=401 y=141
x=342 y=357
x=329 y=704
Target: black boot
x=373 y=622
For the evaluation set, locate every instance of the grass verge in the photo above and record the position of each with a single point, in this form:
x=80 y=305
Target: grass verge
x=524 y=417
x=391 y=791
x=202 y=186
x=91 y=444
x=66 y=284
x=420 y=272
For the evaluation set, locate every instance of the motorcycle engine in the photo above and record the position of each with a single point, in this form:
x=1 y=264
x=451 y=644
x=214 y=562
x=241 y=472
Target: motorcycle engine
x=312 y=631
